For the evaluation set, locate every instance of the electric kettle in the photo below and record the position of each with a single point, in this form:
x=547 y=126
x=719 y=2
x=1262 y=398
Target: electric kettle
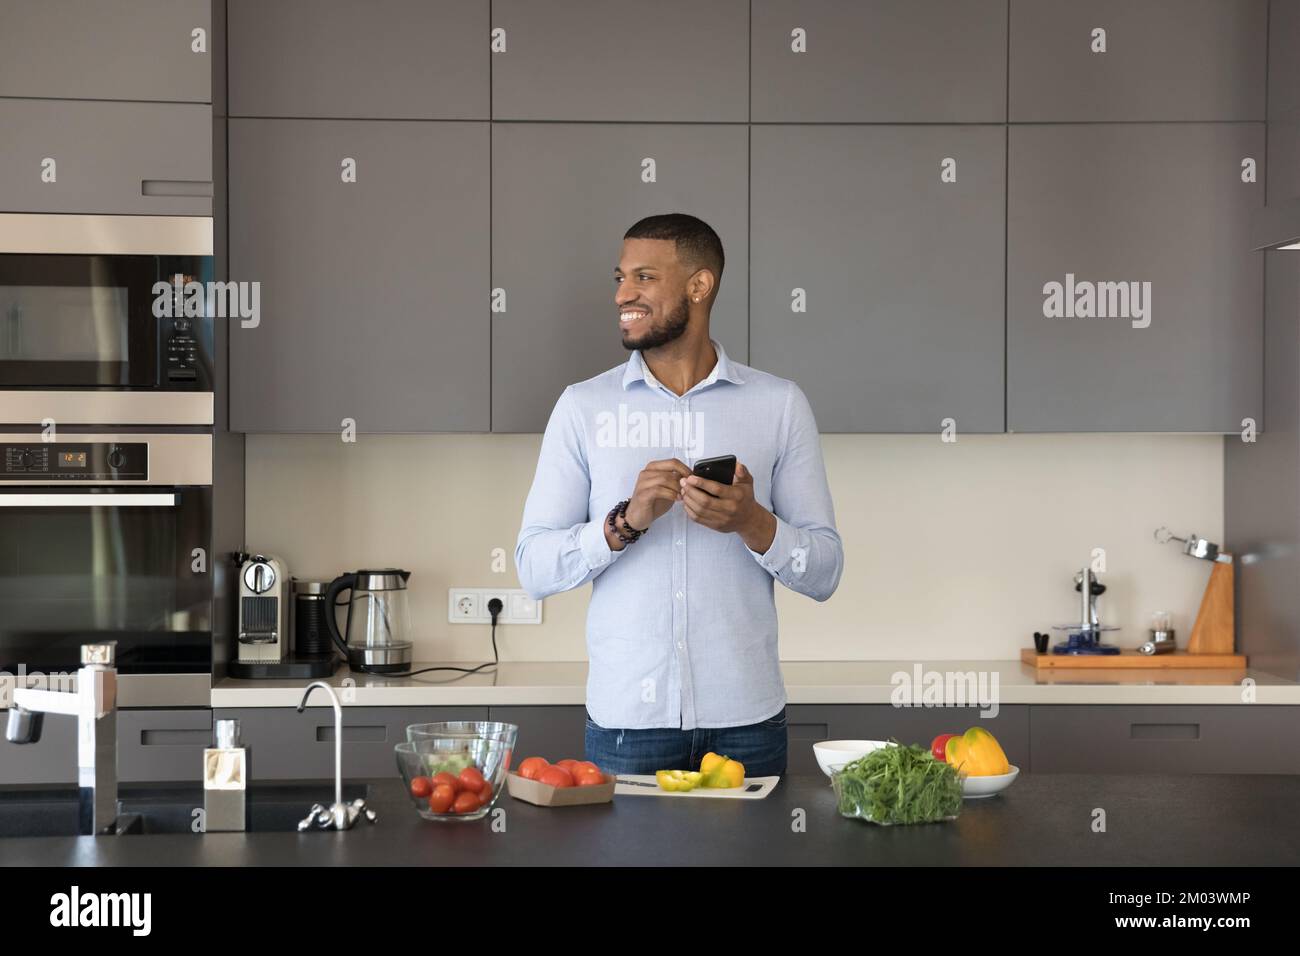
x=374 y=636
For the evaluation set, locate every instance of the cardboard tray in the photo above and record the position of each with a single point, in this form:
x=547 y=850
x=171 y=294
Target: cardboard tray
x=544 y=795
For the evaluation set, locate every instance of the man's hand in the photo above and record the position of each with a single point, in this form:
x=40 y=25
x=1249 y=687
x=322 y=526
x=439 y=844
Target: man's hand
x=729 y=508
x=657 y=489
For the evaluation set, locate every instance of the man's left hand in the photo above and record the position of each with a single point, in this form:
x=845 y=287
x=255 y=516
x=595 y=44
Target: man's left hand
x=729 y=508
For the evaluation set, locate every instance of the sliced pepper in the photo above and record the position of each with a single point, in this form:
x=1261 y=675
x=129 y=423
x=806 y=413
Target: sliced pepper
x=679 y=781
x=721 y=772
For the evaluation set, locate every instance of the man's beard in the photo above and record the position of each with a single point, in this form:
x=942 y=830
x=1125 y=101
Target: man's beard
x=672 y=328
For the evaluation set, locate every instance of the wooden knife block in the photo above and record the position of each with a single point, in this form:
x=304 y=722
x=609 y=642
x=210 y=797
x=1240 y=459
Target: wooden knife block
x=1213 y=632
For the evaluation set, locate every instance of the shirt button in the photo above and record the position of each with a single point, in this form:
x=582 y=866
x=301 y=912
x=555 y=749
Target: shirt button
x=679 y=595
x=680 y=645
x=679 y=542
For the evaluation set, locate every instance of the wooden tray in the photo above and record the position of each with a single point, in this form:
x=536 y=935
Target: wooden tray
x=1129 y=659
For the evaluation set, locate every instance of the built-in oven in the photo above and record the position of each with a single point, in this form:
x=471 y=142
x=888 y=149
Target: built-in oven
x=105 y=537
x=105 y=320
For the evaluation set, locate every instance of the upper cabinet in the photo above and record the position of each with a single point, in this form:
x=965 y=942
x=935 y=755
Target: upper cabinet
x=156 y=50
x=369 y=241
x=879 y=61
x=1134 y=301
x=621 y=60
x=378 y=59
x=877 y=279
x=1284 y=101
x=1118 y=60
x=563 y=195
x=80 y=156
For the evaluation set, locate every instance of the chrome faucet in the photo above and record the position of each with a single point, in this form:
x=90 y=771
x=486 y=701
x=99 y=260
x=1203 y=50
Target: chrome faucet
x=94 y=704
x=339 y=816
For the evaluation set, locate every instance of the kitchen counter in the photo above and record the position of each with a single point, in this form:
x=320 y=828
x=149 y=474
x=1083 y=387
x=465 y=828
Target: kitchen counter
x=807 y=682
x=1044 y=819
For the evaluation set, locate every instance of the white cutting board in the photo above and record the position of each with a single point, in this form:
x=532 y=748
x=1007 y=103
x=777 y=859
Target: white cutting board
x=754 y=788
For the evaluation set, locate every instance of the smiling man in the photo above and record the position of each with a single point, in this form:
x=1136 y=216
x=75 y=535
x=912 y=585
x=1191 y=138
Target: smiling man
x=681 y=629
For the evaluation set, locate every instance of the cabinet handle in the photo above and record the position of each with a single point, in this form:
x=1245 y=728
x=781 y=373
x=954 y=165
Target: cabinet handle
x=1164 y=732
x=377 y=733
x=175 y=187
x=175 y=738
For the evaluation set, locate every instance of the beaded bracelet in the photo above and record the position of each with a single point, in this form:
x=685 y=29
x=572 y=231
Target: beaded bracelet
x=620 y=511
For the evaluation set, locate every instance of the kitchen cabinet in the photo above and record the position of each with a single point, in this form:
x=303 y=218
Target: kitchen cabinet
x=1134 y=301
x=79 y=156
x=877 y=283
x=810 y=723
x=563 y=195
x=87 y=49
x=285 y=745
x=162 y=745
x=879 y=61
x=1226 y=738
x=374 y=292
x=51 y=760
x=383 y=59
x=1163 y=60
x=550 y=731
x=590 y=60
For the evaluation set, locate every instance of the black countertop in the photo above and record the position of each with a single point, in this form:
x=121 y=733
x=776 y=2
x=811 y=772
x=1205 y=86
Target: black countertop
x=1044 y=819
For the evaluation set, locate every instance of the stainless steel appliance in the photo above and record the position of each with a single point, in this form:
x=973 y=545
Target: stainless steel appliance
x=96 y=325
x=374 y=638
x=105 y=537
x=265 y=611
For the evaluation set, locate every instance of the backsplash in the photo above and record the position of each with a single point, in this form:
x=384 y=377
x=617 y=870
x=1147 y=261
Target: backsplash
x=952 y=551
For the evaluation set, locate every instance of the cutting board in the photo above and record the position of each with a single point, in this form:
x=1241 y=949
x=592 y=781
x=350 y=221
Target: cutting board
x=754 y=788
x=1129 y=659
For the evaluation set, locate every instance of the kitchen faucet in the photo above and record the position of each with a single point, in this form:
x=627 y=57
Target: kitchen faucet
x=339 y=816
x=94 y=704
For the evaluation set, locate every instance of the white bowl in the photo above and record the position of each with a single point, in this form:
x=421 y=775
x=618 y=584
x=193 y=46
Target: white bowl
x=833 y=754
x=972 y=788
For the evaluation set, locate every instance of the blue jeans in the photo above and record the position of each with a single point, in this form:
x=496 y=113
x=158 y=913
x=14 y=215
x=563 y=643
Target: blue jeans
x=761 y=747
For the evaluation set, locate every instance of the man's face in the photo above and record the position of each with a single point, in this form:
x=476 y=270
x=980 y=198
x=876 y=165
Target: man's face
x=650 y=291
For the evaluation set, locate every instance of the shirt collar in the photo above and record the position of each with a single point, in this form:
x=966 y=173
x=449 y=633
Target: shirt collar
x=724 y=369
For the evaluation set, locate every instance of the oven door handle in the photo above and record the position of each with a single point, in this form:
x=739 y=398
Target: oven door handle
x=118 y=500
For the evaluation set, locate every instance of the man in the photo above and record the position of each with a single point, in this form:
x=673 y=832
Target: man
x=681 y=629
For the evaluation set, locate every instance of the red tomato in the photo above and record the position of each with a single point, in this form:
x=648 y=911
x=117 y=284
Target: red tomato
x=447 y=779
x=421 y=787
x=471 y=778
x=466 y=802
x=556 y=776
x=485 y=792
x=568 y=763
x=938 y=748
x=532 y=767
x=442 y=798
x=588 y=777
x=583 y=765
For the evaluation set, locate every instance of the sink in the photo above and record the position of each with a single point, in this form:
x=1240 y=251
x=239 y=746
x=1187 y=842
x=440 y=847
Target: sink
x=52 y=811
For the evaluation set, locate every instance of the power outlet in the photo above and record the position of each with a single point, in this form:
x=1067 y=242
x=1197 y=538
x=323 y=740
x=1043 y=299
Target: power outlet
x=470 y=606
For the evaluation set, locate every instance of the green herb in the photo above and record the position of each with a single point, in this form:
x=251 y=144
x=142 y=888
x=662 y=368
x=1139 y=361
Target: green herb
x=898 y=784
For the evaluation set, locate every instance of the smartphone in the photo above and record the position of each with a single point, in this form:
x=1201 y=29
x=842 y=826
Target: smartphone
x=721 y=469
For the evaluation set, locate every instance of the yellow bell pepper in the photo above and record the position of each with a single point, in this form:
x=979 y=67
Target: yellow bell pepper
x=679 y=781
x=722 y=772
x=976 y=753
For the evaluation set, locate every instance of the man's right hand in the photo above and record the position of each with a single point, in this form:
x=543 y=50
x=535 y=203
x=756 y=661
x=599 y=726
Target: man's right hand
x=658 y=486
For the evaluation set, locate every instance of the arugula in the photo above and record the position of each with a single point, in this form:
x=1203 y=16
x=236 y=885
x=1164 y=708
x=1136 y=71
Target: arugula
x=898 y=784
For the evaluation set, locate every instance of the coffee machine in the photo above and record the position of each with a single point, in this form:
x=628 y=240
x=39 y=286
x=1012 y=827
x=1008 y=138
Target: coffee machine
x=265 y=646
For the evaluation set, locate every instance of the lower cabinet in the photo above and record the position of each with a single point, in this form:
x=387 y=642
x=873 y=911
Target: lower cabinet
x=549 y=731
x=286 y=745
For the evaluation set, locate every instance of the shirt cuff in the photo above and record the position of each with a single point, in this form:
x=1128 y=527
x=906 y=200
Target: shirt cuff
x=595 y=549
x=779 y=553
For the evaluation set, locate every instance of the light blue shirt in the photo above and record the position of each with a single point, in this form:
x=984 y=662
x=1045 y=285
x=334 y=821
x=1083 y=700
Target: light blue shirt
x=681 y=629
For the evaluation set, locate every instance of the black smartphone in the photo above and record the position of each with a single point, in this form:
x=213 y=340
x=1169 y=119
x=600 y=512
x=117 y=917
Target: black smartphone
x=721 y=469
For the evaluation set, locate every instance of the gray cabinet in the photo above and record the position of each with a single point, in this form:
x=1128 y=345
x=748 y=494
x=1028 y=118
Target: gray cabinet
x=810 y=723
x=77 y=156
x=879 y=61
x=1163 y=60
x=51 y=760
x=897 y=272
x=550 y=731
x=374 y=293
x=285 y=745
x=162 y=745
x=88 y=49
x=1248 y=738
x=383 y=59
x=563 y=195
x=1283 y=101
x=619 y=60
x=1134 y=302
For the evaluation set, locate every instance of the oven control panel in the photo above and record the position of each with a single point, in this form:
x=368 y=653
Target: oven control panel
x=75 y=461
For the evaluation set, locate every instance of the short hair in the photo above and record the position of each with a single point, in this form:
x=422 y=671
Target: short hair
x=697 y=244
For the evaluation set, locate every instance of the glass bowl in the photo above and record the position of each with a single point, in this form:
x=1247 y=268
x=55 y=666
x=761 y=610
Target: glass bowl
x=422 y=763
x=446 y=729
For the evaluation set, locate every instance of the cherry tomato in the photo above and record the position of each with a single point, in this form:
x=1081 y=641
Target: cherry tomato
x=532 y=767
x=421 y=787
x=938 y=748
x=442 y=798
x=471 y=778
x=447 y=779
x=556 y=777
x=485 y=792
x=589 y=777
x=466 y=802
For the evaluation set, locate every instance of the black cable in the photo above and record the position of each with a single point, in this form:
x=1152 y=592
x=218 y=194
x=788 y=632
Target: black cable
x=494 y=608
